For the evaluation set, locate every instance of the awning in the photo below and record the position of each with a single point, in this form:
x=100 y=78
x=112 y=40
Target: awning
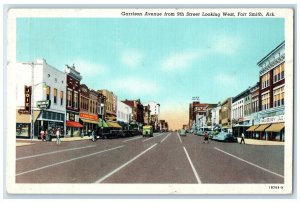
x=276 y=127
x=261 y=128
x=74 y=124
x=252 y=128
x=113 y=125
x=102 y=123
x=89 y=121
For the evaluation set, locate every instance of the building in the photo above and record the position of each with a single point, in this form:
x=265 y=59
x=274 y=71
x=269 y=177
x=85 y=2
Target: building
x=124 y=114
x=89 y=105
x=110 y=105
x=215 y=116
x=40 y=98
x=240 y=112
x=147 y=115
x=225 y=114
x=137 y=112
x=197 y=113
x=268 y=123
x=163 y=126
x=154 y=114
x=73 y=79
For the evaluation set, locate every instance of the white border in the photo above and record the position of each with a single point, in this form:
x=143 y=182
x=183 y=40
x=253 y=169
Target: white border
x=142 y=188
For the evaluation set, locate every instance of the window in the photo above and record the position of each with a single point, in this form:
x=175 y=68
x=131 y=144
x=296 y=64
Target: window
x=55 y=95
x=265 y=101
x=278 y=73
x=61 y=97
x=265 y=80
x=69 y=92
x=48 y=90
x=75 y=100
x=278 y=98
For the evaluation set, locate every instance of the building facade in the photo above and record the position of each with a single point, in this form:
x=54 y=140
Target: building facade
x=197 y=115
x=110 y=105
x=137 y=111
x=225 y=114
x=124 y=114
x=268 y=123
x=41 y=99
x=89 y=105
x=215 y=116
x=147 y=115
x=154 y=114
x=73 y=79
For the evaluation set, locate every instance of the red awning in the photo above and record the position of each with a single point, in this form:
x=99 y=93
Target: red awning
x=74 y=124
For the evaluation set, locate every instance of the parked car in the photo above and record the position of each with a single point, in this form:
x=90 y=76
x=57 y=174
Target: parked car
x=212 y=134
x=182 y=132
x=200 y=133
x=225 y=137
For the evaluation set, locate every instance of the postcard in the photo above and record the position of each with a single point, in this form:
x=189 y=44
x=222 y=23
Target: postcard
x=149 y=101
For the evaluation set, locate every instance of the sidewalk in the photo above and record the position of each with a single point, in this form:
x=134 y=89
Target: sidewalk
x=24 y=142
x=261 y=142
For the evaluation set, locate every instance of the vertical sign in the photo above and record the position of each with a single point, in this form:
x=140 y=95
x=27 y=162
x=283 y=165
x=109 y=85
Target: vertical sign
x=27 y=98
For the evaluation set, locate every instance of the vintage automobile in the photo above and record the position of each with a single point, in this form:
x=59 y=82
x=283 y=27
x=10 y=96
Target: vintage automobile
x=182 y=132
x=147 y=131
x=225 y=137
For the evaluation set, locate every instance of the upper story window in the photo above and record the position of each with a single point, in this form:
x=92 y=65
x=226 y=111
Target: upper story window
x=265 y=80
x=55 y=95
x=265 y=101
x=69 y=98
x=75 y=100
x=48 y=91
x=278 y=73
x=61 y=97
x=278 y=98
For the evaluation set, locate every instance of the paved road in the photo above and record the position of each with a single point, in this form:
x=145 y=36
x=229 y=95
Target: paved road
x=165 y=158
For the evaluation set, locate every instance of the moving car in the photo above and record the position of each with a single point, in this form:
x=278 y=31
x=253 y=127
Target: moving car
x=225 y=137
x=212 y=134
x=182 y=132
x=147 y=131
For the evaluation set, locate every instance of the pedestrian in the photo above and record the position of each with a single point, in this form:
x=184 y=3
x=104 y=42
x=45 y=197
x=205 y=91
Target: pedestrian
x=82 y=134
x=243 y=139
x=58 y=136
x=205 y=137
x=42 y=134
x=46 y=135
x=93 y=136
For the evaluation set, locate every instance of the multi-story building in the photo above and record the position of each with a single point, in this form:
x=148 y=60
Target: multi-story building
x=240 y=112
x=225 y=114
x=41 y=98
x=154 y=114
x=124 y=114
x=137 y=112
x=73 y=101
x=110 y=105
x=269 y=123
x=215 y=116
x=197 y=114
x=147 y=115
x=89 y=105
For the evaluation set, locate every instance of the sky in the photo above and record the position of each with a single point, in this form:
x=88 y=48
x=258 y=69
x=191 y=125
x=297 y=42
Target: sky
x=164 y=60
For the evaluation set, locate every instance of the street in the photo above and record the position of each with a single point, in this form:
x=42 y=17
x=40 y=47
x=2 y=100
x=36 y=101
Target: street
x=164 y=158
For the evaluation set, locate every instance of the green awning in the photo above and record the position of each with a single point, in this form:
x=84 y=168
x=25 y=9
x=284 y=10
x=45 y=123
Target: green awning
x=102 y=123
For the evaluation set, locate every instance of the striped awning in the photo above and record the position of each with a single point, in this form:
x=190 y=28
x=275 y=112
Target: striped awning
x=89 y=121
x=252 y=128
x=276 y=127
x=261 y=128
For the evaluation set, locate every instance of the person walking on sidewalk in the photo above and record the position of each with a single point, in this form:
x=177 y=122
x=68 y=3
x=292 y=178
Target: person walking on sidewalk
x=42 y=134
x=93 y=136
x=205 y=137
x=243 y=139
x=58 y=136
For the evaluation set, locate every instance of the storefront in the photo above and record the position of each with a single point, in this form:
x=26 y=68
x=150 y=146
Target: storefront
x=22 y=125
x=49 y=120
x=90 y=122
x=72 y=124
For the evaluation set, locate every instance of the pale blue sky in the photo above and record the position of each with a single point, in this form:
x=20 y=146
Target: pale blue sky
x=163 y=60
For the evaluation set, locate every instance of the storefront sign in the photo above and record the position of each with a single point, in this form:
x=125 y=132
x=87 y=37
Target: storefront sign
x=27 y=98
x=88 y=116
x=273 y=119
x=43 y=104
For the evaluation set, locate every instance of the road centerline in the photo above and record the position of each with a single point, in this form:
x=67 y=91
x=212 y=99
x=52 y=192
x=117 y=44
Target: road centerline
x=69 y=160
x=192 y=165
x=124 y=165
x=47 y=153
x=257 y=166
